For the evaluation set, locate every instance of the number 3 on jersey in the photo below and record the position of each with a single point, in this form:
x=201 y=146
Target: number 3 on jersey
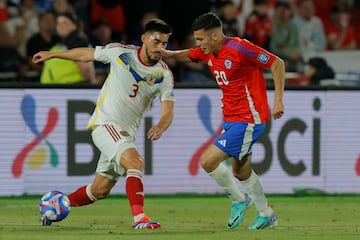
x=135 y=90
x=221 y=77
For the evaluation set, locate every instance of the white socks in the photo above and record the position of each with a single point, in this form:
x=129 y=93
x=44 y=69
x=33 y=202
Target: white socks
x=225 y=179
x=255 y=191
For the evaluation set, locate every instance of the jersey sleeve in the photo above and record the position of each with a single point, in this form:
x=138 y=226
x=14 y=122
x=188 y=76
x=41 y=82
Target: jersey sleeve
x=167 y=87
x=259 y=56
x=101 y=54
x=105 y=53
x=197 y=55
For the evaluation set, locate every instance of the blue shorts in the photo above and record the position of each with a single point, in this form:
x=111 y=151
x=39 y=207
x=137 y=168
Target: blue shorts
x=237 y=138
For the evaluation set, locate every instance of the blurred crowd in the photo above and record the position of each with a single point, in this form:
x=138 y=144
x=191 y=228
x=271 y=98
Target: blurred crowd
x=288 y=28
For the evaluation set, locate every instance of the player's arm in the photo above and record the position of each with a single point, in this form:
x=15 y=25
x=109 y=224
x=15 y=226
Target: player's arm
x=179 y=55
x=167 y=114
x=75 y=54
x=278 y=73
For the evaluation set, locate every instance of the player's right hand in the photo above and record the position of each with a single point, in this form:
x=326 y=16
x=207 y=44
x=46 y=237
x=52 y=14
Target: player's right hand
x=41 y=56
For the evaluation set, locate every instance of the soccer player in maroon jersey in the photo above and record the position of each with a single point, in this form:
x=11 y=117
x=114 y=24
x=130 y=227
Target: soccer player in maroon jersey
x=236 y=65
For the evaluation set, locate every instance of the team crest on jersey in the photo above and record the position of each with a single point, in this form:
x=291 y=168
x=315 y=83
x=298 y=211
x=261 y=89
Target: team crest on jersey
x=150 y=79
x=228 y=64
x=263 y=57
x=210 y=63
x=155 y=77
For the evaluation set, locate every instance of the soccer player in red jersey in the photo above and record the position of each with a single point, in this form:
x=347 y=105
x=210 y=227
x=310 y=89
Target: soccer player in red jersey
x=236 y=65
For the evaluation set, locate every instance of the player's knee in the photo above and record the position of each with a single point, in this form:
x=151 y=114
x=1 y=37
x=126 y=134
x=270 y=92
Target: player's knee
x=135 y=162
x=206 y=164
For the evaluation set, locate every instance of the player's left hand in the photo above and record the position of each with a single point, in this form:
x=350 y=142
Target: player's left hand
x=155 y=133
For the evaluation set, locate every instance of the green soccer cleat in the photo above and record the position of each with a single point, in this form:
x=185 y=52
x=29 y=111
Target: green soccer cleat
x=263 y=222
x=238 y=210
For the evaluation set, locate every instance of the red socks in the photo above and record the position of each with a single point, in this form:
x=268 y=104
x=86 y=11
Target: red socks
x=80 y=197
x=135 y=191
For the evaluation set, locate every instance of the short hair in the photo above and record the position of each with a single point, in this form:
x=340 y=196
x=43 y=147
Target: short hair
x=206 y=22
x=158 y=25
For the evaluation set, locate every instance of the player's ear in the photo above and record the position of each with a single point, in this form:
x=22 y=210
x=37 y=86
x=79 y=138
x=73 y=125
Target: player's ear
x=143 y=38
x=214 y=35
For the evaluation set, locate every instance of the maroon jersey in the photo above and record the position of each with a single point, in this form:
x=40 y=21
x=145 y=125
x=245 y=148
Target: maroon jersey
x=237 y=69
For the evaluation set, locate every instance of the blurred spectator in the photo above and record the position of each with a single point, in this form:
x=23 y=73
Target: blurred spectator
x=43 y=40
x=322 y=8
x=258 y=25
x=43 y=5
x=62 y=6
x=112 y=11
x=284 y=40
x=319 y=72
x=100 y=35
x=26 y=23
x=82 y=10
x=339 y=33
x=4 y=14
x=139 y=28
x=310 y=27
x=59 y=71
x=12 y=34
x=355 y=18
x=227 y=14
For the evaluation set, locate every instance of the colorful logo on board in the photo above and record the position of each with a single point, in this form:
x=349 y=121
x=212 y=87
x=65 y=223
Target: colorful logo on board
x=204 y=111
x=36 y=152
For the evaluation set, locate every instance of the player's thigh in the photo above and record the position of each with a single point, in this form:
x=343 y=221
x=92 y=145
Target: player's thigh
x=112 y=143
x=110 y=139
x=212 y=157
x=131 y=159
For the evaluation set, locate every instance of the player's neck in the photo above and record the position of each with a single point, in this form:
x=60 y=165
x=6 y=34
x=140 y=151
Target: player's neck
x=143 y=57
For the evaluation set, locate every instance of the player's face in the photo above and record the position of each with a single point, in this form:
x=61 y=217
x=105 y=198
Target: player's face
x=205 y=41
x=152 y=42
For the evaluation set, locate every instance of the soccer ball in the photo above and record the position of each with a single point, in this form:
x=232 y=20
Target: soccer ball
x=55 y=206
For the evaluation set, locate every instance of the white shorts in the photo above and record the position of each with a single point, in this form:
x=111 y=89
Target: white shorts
x=112 y=142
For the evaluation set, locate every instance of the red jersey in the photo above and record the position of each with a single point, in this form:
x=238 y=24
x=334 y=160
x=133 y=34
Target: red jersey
x=237 y=69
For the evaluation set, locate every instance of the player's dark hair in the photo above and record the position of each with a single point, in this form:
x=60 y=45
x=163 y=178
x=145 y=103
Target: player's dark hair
x=158 y=25
x=206 y=22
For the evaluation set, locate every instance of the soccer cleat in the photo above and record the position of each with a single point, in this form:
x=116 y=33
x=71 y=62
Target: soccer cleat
x=145 y=223
x=238 y=210
x=45 y=221
x=263 y=222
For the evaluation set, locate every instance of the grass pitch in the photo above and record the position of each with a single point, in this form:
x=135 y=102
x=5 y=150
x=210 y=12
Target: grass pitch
x=185 y=218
